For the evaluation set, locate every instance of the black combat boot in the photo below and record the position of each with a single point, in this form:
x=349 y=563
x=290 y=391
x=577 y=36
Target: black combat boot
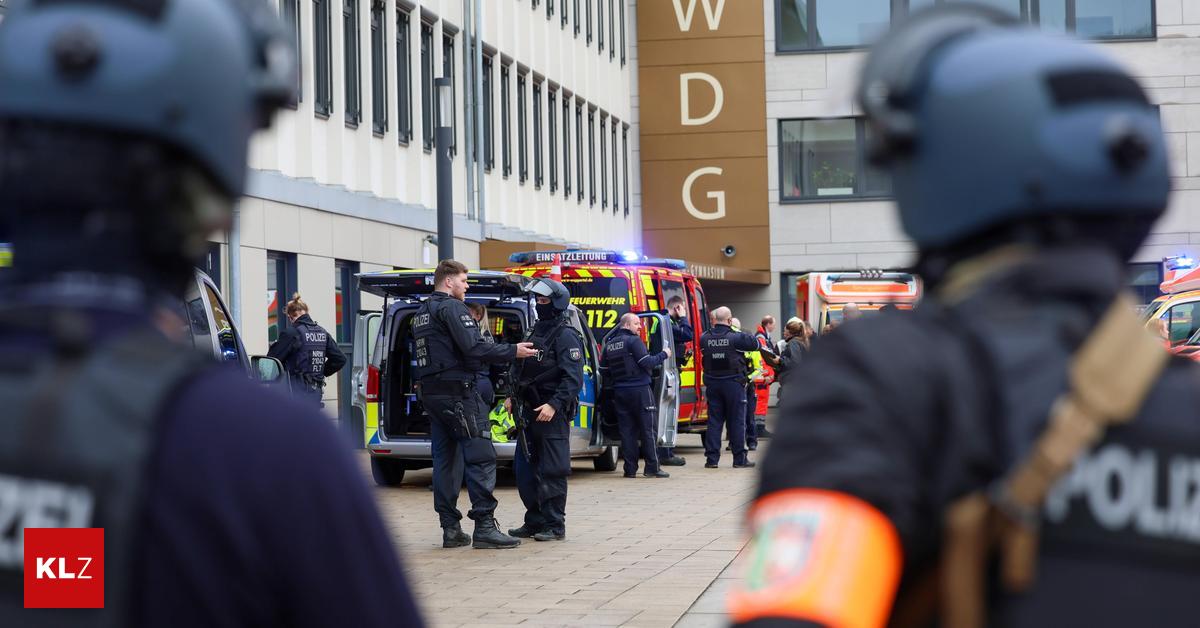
x=526 y=531
x=488 y=536
x=455 y=537
x=550 y=535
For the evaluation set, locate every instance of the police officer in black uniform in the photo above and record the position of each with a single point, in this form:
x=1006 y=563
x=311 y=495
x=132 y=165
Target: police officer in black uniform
x=547 y=398
x=629 y=366
x=725 y=388
x=681 y=334
x=124 y=128
x=1019 y=432
x=308 y=352
x=450 y=350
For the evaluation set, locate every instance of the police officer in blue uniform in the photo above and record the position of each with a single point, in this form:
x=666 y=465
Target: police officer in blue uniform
x=308 y=352
x=547 y=398
x=681 y=334
x=124 y=128
x=450 y=352
x=1020 y=433
x=628 y=367
x=725 y=388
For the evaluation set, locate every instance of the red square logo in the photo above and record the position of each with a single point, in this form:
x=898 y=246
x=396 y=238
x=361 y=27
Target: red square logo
x=64 y=567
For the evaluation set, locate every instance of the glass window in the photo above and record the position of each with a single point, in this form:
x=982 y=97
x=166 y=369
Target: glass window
x=226 y=336
x=351 y=61
x=577 y=18
x=552 y=135
x=197 y=318
x=345 y=299
x=791 y=30
x=538 y=174
x=448 y=72
x=824 y=158
x=579 y=150
x=612 y=32
x=603 y=300
x=549 y=9
x=1052 y=15
x=566 y=141
x=563 y=14
x=211 y=264
x=522 y=129
x=1144 y=280
x=616 y=180
x=427 y=85
x=489 y=123
x=625 y=163
x=322 y=52
x=404 y=76
x=592 y=157
x=600 y=26
x=850 y=22
x=505 y=123
x=379 y=104
x=603 y=162
x=1112 y=19
x=1183 y=321
x=281 y=284
x=589 y=20
x=290 y=10
x=621 y=3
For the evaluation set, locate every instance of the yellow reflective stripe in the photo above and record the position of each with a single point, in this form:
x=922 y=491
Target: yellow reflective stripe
x=583 y=272
x=372 y=422
x=606 y=273
x=648 y=285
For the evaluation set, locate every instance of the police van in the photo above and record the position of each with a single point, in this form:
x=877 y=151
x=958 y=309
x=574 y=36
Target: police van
x=606 y=284
x=394 y=425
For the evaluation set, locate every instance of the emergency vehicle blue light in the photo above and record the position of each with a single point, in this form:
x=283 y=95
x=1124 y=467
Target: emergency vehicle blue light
x=629 y=256
x=1180 y=262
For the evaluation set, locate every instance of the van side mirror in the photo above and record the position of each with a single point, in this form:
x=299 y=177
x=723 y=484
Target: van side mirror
x=265 y=369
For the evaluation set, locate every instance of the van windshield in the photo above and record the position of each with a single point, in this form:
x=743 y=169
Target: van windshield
x=601 y=299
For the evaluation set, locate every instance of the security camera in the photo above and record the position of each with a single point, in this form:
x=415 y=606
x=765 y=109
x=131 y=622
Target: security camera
x=729 y=250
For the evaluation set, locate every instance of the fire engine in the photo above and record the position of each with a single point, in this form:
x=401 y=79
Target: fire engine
x=821 y=297
x=606 y=284
x=1175 y=316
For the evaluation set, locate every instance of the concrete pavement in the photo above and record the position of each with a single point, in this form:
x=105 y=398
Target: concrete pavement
x=639 y=552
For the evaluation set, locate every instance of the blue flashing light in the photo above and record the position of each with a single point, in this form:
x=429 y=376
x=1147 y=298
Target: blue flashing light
x=1179 y=262
x=630 y=256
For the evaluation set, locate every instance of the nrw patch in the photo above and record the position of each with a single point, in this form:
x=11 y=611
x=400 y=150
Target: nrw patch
x=468 y=320
x=575 y=354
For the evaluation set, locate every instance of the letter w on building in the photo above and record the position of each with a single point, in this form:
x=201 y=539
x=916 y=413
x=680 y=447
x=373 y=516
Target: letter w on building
x=711 y=15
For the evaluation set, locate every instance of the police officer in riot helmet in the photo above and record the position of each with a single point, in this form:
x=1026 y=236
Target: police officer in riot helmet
x=124 y=127
x=308 y=352
x=629 y=367
x=547 y=400
x=450 y=351
x=1016 y=451
x=725 y=380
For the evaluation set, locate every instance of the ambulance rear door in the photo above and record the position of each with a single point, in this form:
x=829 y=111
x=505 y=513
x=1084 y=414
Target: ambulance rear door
x=665 y=379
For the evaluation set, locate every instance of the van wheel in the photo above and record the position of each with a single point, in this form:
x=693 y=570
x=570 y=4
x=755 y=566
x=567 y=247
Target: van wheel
x=387 y=472
x=606 y=461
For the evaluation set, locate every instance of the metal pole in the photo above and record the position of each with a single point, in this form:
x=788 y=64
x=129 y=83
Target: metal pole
x=479 y=127
x=468 y=99
x=445 y=172
x=235 y=265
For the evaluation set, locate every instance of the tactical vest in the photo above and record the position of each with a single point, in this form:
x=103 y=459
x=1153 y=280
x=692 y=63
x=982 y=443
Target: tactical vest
x=433 y=348
x=721 y=359
x=75 y=443
x=308 y=362
x=618 y=360
x=544 y=368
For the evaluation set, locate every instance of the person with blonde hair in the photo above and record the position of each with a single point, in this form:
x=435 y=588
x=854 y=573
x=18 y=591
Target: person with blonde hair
x=308 y=352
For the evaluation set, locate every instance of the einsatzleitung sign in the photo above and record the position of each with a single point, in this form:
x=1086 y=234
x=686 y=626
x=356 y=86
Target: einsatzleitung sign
x=702 y=89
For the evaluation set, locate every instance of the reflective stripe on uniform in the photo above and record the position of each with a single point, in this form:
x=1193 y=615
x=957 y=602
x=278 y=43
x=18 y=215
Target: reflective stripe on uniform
x=819 y=556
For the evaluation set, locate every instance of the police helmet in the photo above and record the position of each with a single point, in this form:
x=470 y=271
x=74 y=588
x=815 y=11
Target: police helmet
x=985 y=122
x=560 y=297
x=198 y=75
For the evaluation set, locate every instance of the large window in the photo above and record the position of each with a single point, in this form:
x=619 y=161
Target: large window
x=589 y=20
x=404 y=76
x=351 y=62
x=592 y=157
x=616 y=180
x=562 y=10
x=281 y=285
x=625 y=163
x=345 y=299
x=820 y=24
x=621 y=3
x=489 y=122
x=577 y=22
x=552 y=135
x=549 y=9
x=290 y=11
x=379 y=103
x=612 y=31
x=538 y=171
x=825 y=158
x=323 y=58
x=427 y=85
x=599 y=25
x=603 y=162
x=1144 y=279
x=448 y=72
x=579 y=150
x=566 y=141
x=505 y=120
x=522 y=128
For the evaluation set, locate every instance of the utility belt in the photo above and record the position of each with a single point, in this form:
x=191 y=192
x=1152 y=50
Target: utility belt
x=448 y=387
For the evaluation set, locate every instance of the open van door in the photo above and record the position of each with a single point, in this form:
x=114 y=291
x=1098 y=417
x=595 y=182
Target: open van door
x=366 y=328
x=664 y=383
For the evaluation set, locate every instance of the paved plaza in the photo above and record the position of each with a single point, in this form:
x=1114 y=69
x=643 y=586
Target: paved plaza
x=639 y=552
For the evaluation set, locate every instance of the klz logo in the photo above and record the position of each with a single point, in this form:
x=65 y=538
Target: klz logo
x=64 y=568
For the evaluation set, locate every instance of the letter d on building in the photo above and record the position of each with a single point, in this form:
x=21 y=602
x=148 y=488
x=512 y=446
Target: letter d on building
x=718 y=196
x=685 y=114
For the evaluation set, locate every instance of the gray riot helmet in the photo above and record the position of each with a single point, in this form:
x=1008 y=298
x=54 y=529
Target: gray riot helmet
x=986 y=123
x=560 y=297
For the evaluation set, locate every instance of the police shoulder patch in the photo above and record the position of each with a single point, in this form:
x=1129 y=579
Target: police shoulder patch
x=467 y=320
x=575 y=354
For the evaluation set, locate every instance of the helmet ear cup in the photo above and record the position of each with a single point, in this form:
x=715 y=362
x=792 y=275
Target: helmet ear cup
x=895 y=72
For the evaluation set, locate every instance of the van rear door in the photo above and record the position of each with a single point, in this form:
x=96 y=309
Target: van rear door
x=367 y=328
x=665 y=379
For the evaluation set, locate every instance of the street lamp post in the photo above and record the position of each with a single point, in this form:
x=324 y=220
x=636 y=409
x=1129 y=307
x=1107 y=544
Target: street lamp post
x=445 y=176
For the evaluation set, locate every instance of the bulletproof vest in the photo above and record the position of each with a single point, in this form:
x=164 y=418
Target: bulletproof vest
x=75 y=445
x=433 y=348
x=538 y=371
x=721 y=359
x=308 y=362
x=618 y=358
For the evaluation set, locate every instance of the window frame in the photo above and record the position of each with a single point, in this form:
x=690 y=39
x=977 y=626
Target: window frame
x=589 y=21
x=505 y=120
x=591 y=156
x=552 y=136
x=616 y=181
x=345 y=270
x=563 y=18
x=428 y=121
x=379 y=69
x=625 y=163
x=566 y=143
x=600 y=27
x=1030 y=14
x=579 y=150
x=449 y=70
x=522 y=126
x=612 y=31
x=322 y=59
x=286 y=262
x=860 y=164
x=289 y=12
x=404 y=75
x=623 y=43
x=578 y=22
x=352 y=63
x=489 y=114
x=603 y=161
x=539 y=172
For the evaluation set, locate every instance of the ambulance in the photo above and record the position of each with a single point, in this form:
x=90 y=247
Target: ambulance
x=1175 y=316
x=606 y=284
x=389 y=415
x=822 y=297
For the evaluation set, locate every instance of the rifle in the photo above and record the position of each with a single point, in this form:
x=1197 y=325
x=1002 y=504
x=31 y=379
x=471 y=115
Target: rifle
x=518 y=406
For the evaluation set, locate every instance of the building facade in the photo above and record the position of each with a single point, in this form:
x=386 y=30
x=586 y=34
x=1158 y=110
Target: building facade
x=829 y=210
x=346 y=182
